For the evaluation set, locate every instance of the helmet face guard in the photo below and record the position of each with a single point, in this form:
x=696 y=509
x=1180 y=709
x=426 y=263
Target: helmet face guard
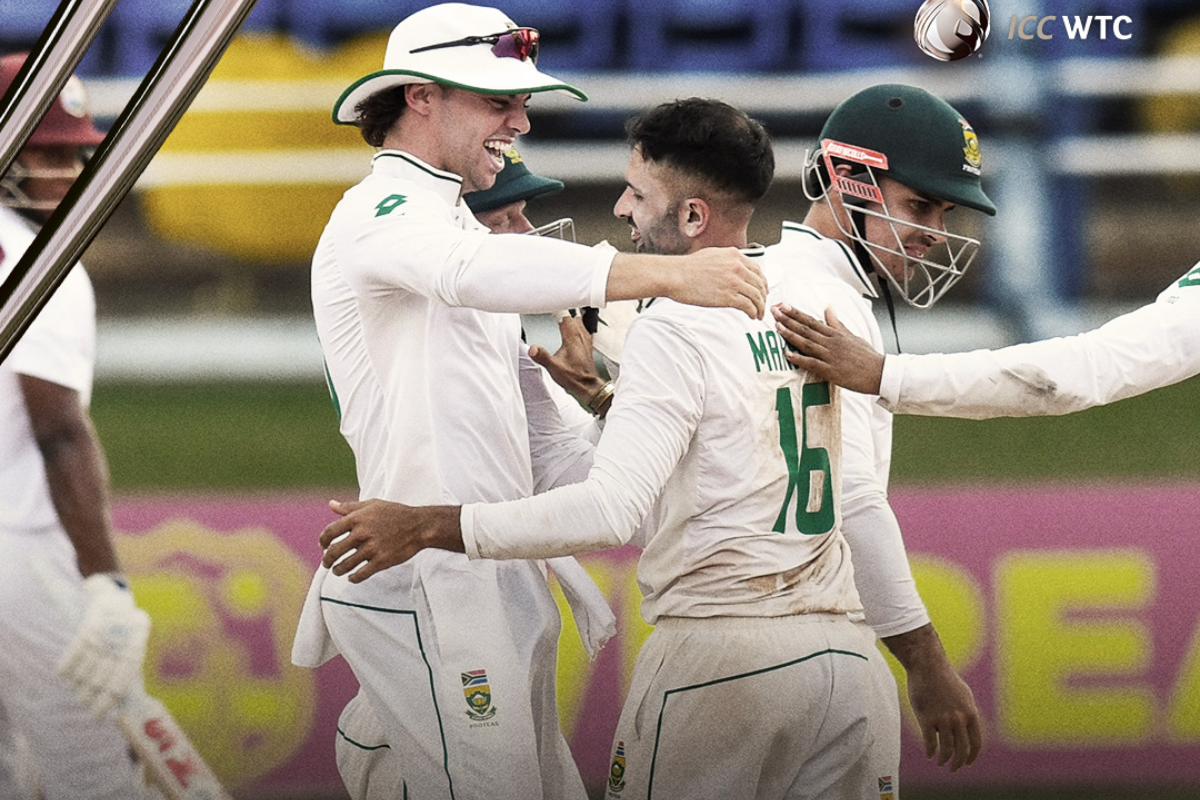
x=923 y=280
x=67 y=123
x=559 y=229
x=14 y=196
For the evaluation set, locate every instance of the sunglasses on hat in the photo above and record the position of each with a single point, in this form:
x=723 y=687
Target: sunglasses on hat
x=518 y=43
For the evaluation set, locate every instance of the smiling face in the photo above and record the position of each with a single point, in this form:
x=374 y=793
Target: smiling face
x=651 y=206
x=475 y=131
x=905 y=205
x=897 y=245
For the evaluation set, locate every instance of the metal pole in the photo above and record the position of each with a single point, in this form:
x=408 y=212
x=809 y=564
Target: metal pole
x=46 y=70
x=165 y=93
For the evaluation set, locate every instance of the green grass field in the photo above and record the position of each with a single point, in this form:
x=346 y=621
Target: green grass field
x=254 y=436
x=221 y=436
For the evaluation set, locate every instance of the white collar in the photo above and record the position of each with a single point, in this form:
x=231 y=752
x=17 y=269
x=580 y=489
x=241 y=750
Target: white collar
x=839 y=258
x=399 y=164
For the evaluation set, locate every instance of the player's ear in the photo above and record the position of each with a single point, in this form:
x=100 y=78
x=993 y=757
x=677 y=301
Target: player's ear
x=421 y=96
x=694 y=217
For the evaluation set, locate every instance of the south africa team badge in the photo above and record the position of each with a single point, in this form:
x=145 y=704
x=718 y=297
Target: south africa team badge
x=479 y=695
x=616 y=771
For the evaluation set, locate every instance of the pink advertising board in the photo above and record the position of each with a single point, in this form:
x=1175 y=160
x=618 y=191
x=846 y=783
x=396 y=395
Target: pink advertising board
x=1073 y=612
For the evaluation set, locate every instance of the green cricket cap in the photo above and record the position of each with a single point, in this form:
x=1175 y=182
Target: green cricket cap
x=513 y=183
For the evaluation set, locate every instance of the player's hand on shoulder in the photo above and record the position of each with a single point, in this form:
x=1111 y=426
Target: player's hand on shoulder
x=828 y=350
x=103 y=663
x=722 y=277
x=373 y=535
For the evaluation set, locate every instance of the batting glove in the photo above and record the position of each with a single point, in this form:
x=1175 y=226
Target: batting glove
x=104 y=661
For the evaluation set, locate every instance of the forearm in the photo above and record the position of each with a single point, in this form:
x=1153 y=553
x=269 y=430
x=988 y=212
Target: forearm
x=78 y=478
x=558 y=455
x=1154 y=346
x=882 y=573
x=504 y=273
x=648 y=431
x=918 y=650
x=633 y=276
x=570 y=520
x=441 y=528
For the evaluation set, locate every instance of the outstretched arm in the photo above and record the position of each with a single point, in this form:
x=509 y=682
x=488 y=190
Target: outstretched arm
x=643 y=442
x=714 y=276
x=829 y=350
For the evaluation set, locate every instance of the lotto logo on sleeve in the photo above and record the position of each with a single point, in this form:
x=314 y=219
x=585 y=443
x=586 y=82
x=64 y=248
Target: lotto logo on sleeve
x=479 y=695
x=389 y=204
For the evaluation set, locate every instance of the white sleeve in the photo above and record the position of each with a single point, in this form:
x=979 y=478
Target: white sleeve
x=59 y=346
x=655 y=412
x=558 y=455
x=1155 y=346
x=578 y=420
x=419 y=250
x=882 y=574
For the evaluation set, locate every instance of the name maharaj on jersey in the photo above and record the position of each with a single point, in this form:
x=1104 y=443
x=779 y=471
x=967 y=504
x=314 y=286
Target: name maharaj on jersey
x=767 y=348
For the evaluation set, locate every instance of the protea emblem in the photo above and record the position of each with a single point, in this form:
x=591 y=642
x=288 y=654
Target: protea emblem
x=478 y=694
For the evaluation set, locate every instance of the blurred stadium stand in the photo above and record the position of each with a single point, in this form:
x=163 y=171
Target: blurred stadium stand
x=709 y=35
x=1107 y=128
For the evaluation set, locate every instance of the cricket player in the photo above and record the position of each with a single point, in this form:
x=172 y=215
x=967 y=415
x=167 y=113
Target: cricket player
x=55 y=529
x=891 y=161
x=723 y=464
x=943 y=704
x=365 y=761
x=415 y=305
x=1154 y=346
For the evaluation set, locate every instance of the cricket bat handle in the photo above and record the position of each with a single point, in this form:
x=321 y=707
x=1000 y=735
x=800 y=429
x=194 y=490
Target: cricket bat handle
x=168 y=756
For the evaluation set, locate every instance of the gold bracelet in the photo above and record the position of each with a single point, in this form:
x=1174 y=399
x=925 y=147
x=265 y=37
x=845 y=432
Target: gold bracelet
x=600 y=399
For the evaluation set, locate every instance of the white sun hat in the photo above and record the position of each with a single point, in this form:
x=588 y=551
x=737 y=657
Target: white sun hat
x=470 y=47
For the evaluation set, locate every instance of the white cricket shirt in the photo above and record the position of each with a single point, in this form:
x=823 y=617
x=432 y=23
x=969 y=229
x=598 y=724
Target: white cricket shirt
x=59 y=346
x=727 y=452
x=406 y=285
x=890 y=599
x=1154 y=346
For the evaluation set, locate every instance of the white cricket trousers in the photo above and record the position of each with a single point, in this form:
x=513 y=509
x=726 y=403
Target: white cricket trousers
x=753 y=708
x=76 y=756
x=457 y=660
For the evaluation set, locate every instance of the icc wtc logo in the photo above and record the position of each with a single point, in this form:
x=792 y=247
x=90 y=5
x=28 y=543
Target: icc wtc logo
x=952 y=29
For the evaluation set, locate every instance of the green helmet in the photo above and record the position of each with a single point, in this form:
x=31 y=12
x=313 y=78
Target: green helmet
x=929 y=146
x=913 y=137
